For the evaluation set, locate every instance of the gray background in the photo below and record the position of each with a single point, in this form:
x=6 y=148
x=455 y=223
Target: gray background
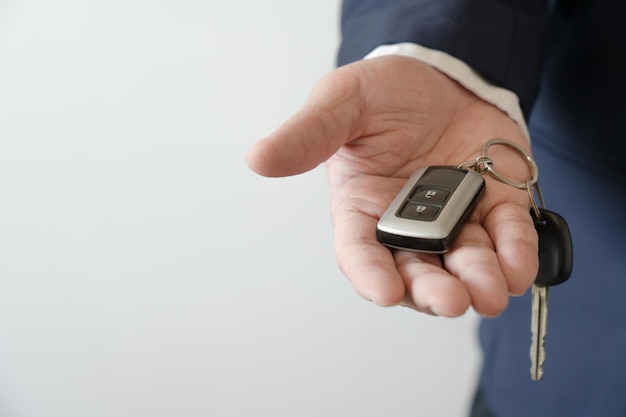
x=144 y=271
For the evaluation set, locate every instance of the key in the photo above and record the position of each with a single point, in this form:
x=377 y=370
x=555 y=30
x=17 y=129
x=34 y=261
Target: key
x=430 y=210
x=539 y=329
x=555 y=267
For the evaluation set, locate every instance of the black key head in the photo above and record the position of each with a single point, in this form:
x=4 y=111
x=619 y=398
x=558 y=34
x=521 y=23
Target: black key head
x=556 y=254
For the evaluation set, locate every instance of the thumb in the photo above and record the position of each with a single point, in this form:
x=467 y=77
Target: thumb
x=327 y=121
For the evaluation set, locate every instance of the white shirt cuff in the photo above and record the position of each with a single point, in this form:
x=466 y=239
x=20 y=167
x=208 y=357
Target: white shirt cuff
x=504 y=99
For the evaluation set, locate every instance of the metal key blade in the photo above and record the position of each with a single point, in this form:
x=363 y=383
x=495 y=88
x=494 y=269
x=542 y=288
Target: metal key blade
x=539 y=323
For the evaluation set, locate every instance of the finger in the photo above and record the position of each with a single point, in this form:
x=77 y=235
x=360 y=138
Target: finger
x=513 y=233
x=369 y=265
x=327 y=121
x=431 y=289
x=473 y=260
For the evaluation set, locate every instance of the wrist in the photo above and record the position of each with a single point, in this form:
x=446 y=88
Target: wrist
x=503 y=99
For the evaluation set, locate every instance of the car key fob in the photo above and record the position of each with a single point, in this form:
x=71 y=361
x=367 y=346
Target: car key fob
x=430 y=210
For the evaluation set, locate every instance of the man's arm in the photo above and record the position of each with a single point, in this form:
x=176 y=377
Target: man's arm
x=504 y=40
x=375 y=121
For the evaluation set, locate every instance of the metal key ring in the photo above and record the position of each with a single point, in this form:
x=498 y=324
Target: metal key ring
x=534 y=172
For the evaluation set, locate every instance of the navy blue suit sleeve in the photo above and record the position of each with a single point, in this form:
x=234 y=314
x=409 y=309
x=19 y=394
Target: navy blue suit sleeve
x=504 y=40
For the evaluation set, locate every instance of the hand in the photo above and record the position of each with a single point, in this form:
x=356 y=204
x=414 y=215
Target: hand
x=375 y=122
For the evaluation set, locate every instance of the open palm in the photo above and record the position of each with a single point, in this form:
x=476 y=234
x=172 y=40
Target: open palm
x=374 y=123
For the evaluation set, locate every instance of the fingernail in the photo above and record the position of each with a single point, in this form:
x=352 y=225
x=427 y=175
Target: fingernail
x=439 y=312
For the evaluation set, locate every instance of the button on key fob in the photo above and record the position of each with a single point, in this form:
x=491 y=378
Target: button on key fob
x=430 y=210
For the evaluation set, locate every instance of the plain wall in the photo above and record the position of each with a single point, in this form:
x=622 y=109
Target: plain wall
x=144 y=271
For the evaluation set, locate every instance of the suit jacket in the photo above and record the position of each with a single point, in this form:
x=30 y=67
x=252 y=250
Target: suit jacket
x=566 y=60
x=504 y=40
